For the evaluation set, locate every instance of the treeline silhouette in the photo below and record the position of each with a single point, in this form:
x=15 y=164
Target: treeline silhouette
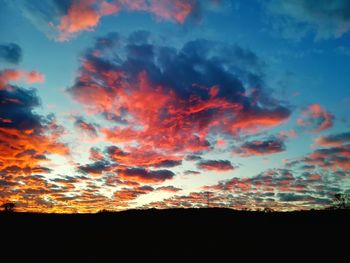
x=152 y=233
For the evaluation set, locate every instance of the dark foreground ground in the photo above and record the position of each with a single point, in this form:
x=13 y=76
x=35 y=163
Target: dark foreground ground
x=177 y=232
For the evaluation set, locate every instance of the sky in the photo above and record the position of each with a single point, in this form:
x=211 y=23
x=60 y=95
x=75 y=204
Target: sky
x=121 y=104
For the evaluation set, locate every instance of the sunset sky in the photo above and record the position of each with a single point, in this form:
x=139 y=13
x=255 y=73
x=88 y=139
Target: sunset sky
x=118 y=104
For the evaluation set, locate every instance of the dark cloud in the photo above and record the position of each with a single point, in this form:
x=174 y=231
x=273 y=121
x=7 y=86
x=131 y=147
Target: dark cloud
x=11 y=53
x=292 y=197
x=190 y=172
x=96 y=168
x=216 y=165
x=252 y=148
x=84 y=126
x=168 y=163
x=145 y=175
x=193 y=157
x=334 y=139
x=16 y=109
x=328 y=19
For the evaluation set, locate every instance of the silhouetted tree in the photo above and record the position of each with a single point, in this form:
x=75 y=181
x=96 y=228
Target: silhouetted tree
x=8 y=207
x=341 y=201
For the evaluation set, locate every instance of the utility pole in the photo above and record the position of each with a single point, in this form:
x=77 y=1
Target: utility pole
x=208 y=198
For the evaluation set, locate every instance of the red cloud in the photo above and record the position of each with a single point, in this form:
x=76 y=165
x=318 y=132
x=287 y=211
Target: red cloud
x=84 y=15
x=142 y=157
x=86 y=127
x=145 y=175
x=214 y=165
x=24 y=151
x=26 y=141
x=34 y=77
x=9 y=75
x=128 y=194
x=334 y=140
x=317 y=118
x=165 y=104
x=260 y=147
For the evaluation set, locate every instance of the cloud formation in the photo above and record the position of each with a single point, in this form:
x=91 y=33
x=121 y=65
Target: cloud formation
x=10 y=53
x=253 y=148
x=216 y=165
x=64 y=19
x=145 y=175
x=27 y=139
x=10 y=75
x=316 y=118
x=85 y=127
x=195 y=92
x=334 y=139
x=327 y=19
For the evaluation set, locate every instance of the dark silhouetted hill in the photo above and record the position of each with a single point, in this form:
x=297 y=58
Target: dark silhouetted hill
x=180 y=231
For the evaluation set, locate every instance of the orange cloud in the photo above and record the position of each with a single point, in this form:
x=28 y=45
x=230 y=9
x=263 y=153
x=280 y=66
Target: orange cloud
x=316 y=118
x=26 y=141
x=145 y=175
x=30 y=77
x=84 y=15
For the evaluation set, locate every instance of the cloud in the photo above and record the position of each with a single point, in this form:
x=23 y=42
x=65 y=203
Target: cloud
x=168 y=163
x=292 y=197
x=216 y=165
x=252 y=148
x=85 y=127
x=327 y=19
x=279 y=189
x=9 y=75
x=10 y=53
x=128 y=194
x=27 y=140
x=191 y=89
x=145 y=175
x=64 y=19
x=96 y=168
x=142 y=156
x=193 y=157
x=333 y=158
x=334 y=139
x=316 y=118
x=171 y=189
x=332 y=154
x=190 y=172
